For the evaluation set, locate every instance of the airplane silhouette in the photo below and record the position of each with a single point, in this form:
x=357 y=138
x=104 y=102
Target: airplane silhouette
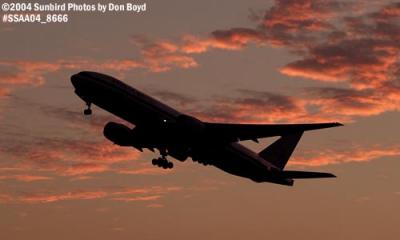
x=158 y=126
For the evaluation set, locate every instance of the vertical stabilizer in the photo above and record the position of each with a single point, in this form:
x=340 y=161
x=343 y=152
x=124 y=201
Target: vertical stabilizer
x=279 y=152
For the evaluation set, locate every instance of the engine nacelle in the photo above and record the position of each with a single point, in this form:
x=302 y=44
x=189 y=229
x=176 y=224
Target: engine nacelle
x=118 y=134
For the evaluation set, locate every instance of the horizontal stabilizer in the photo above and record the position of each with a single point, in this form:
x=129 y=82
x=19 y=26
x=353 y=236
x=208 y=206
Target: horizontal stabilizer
x=241 y=132
x=303 y=174
x=279 y=152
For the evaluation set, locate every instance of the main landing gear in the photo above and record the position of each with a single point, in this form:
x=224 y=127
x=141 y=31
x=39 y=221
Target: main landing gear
x=162 y=161
x=88 y=110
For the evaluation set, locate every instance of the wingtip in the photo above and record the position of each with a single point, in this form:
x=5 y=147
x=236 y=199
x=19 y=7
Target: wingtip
x=332 y=175
x=338 y=124
x=328 y=175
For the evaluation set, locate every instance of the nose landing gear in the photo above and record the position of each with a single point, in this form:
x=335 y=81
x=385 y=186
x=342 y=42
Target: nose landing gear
x=88 y=110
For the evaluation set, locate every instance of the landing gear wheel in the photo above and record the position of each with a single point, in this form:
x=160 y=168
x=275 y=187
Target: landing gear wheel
x=170 y=165
x=154 y=162
x=162 y=162
x=87 y=111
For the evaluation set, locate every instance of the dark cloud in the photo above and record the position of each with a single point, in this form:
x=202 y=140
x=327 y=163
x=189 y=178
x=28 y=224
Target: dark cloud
x=174 y=98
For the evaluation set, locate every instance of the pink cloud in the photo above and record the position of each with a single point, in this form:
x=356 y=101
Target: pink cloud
x=162 y=55
x=145 y=171
x=70 y=158
x=355 y=154
x=25 y=178
x=232 y=39
x=301 y=15
x=48 y=198
x=157 y=190
x=155 y=205
x=352 y=103
x=5 y=198
x=122 y=194
x=84 y=168
x=332 y=47
x=135 y=199
x=264 y=107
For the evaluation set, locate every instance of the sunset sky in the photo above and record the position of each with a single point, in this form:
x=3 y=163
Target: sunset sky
x=282 y=61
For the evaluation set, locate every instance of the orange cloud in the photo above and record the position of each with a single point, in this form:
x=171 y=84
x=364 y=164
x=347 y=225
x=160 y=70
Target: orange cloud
x=48 y=198
x=263 y=107
x=145 y=171
x=158 y=190
x=365 y=54
x=135 y=199
x=356 y=154
x=33 y=73
x=388 y=12
x=353 y=103
x=283 y=25
x=123 y=194
x=315 y=105
x=232 y=39
x=25 y=178
x=365 y=63
x=360 y=50
x=312 y=69
x=25 y=72
x=4 y=92
x=156 y=58
x=301 y=15
x=76 y=159
x=155 y=205
x=84 y=168
x=71 y=158
x=5 y=198
x=160 y=56
x=121 y=65
x=86 y=157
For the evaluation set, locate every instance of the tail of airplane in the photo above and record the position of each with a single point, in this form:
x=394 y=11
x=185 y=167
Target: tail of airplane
x=279 y=152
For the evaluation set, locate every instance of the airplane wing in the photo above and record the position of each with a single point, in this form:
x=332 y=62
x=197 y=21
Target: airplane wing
x=240 y=132
x=304 y=174
x=288 y=177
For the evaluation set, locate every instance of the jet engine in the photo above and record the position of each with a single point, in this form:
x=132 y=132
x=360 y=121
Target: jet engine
x=118 y=134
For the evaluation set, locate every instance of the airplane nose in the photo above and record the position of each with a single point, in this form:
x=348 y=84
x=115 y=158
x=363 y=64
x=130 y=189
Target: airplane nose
x=75 y=80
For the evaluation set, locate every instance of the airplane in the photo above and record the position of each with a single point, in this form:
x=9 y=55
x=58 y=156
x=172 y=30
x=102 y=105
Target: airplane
x=172 y=133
